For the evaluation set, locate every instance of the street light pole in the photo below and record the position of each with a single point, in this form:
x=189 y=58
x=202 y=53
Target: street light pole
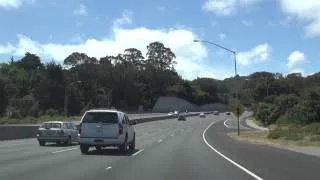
x=237 y=97
x=235 y=77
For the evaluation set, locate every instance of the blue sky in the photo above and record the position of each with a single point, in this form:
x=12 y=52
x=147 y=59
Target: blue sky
x=268 y=35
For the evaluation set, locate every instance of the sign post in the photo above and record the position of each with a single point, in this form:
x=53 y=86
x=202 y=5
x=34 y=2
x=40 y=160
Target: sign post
x=237 y=110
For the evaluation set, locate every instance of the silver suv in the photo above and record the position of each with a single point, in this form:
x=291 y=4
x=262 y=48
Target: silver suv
x=102 y=128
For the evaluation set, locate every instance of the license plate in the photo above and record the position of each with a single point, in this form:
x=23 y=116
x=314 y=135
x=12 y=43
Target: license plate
x=98 y=140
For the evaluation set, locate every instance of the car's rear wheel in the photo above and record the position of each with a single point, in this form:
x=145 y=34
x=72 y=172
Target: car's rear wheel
x=68 y=141
x=124 y=146
x=84 y=148
x=42 y=143
x=132 y=145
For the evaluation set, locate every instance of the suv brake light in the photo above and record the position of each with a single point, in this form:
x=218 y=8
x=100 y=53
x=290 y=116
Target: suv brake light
x=80 y=125
x=39 y=132
x=120 y=129
x=61 y=133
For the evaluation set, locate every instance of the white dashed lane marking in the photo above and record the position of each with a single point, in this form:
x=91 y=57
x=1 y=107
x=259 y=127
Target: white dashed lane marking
x=136 y=153
x=63 y=150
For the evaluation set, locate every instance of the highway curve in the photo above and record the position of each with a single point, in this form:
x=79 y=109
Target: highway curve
x=166 y=149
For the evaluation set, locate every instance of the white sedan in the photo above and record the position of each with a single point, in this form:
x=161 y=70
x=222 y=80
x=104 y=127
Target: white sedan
x=202 y=115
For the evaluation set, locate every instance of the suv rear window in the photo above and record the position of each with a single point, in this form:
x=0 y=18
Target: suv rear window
x=51 y=125
x=100 y=117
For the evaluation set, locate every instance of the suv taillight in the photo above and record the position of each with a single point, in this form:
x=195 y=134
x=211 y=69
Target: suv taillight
x=120 y=129
x=61 y=133
x=80 y=128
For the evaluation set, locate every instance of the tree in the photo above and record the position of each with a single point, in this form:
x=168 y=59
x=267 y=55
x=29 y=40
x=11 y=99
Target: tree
x=304 y=113
x=262 y=112
x=77 y=58
x=3 y=98
x=134 y=56
x=54 y=72
x=30 y=62
x=159 y=56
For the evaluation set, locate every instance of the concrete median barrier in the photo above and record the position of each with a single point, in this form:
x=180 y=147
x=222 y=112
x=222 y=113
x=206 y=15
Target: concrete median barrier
x=18 y=131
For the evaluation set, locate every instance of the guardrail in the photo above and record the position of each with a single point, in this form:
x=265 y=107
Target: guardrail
x=10 y=132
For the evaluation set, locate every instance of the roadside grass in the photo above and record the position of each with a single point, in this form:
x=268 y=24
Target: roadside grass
x=297 y=135
x=296 y=132
x=35 y=120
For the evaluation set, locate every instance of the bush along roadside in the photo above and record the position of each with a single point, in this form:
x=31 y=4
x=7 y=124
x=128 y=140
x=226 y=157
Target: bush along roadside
x=309 y=132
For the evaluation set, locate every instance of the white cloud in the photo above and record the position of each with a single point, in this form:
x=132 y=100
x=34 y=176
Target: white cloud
x=81 y=10
x=308 y=10
x=6 y=49
x=247 y=23
x=226 y=7
x=190 y=56
x=126 y=18
x=296 y=58
x=13 y=4
x=260 y=53
x=222 y=36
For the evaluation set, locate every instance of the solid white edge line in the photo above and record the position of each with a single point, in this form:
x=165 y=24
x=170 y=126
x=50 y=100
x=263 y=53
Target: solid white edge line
x=108 y=168
x=225 y=123
x=136 y=153
x=225 y=157
x=63 y=150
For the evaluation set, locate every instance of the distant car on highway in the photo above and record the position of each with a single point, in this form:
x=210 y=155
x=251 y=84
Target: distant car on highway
x=228 y=113
x=170 y=113
x=103 y=128
x=215 y=112
x=181 y=117
x=58 y=132
x=202 y=115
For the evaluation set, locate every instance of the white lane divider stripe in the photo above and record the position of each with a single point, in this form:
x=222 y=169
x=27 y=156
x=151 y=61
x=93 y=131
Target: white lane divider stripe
x=108 y=168
x=171 y=135
x=225 y=123
x=136 y=153
x=160 y=140
x=225 y=157
x=63 y=150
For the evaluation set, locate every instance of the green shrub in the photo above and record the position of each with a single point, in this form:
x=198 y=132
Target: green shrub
x=52 y=112
x=315 y=138
x=304 y=113
x=291 y=133
x=276 y=133
x=313 y=129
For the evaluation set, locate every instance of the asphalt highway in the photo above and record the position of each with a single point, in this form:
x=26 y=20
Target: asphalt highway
x=168 y=149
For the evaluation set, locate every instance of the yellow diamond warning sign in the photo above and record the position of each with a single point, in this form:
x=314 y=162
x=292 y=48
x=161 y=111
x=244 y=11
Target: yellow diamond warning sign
x=237 y=111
